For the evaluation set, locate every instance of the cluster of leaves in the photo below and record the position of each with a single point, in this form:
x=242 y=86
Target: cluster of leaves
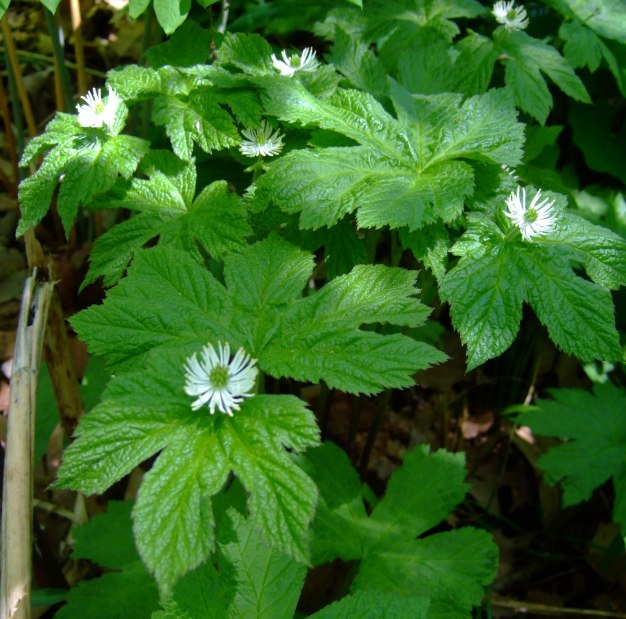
x=417 y=145
x=439 y=576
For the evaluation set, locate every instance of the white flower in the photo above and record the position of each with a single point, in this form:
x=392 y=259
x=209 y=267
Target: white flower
x=536 y=219
x=95 y=113
x=289 y=66
x=261 y=142
x=510 y=16
x=220 y=382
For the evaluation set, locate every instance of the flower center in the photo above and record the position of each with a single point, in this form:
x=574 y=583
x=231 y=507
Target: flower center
x=294 y=61
x=99 y=108
x=511 y=14
x=218 y=376
x=531 y=215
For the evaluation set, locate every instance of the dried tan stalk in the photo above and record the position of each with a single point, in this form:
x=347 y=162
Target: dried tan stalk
x=15 y=590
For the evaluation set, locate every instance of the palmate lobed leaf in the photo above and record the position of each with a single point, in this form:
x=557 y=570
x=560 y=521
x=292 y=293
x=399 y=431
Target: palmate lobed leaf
x=526 y=59
x=196 y=120
x=594 y=427
x=173 y=521
x=169 y=301
x=405 y=171
x=215 y=222
x=498 y=272
x=450 y=569
x=84 y=161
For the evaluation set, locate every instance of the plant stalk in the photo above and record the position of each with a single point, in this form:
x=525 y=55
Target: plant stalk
x=79 y=47
x=18 y=473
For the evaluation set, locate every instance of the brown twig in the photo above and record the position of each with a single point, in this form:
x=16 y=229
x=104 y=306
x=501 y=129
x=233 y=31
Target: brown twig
x=79 y=48
x=10 y=140
x=551 y=611
x=17 y=74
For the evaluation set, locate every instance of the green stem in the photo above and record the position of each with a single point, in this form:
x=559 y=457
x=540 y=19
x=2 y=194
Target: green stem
x=59 y=57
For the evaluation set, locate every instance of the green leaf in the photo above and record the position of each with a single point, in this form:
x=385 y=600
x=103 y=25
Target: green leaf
x=437 y=486
x=107 y=539
x=269 y=273
x=188 y=46
x=214 y=223
x=158 y=276
x=319 y=339
x=171 y=13
x=497 y=273
x=35 y=192
x=314 y=338
x=579 y=315
x=268 y=582
x=405 y=172
x=51 y=5
x=358 y=63
x=94 y=171
x=430 y=245
x=245 y=578
x=282 y=498
x=204 y=593
x=198 y=120
x=84 y=165
x=340 y=517
x=396 y=24
x=485 y=295
x=608 y=19
x=109 y=446
x=594 y=426
x=112 y=251
x=137 y=7
x=425 y=73
x=599 y=138
x=526 y=58
x=375 y=605
x=217 y=220
x=451 y=568
x=4 y=6
x=173 y=515
x=582 y=46
x=132 y=81
x=249 y=52
x=474 y=64
x=60 y=131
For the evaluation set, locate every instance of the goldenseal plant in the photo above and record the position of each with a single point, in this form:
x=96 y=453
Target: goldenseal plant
x=234 y=289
